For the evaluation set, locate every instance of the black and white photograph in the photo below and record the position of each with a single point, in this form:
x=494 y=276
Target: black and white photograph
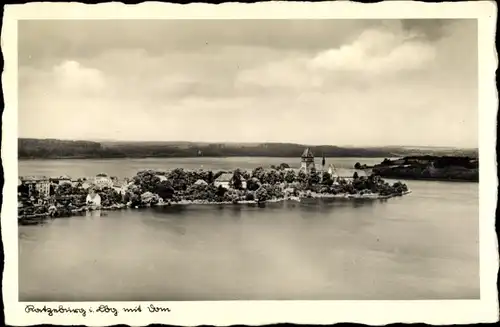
x=260 y=159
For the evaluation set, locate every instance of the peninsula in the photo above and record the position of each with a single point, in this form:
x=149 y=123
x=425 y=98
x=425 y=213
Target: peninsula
x=443 y=168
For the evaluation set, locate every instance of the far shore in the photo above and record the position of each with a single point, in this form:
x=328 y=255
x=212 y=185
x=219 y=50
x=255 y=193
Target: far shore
x=185 y=157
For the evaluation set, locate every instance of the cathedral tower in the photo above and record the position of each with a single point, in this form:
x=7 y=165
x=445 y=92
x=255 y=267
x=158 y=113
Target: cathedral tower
x=307 y=160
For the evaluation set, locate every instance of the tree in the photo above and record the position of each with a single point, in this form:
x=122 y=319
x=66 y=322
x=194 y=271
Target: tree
x=135 y=199
x=52 y=190
x=179 y=179
x=261 y=194
x=313 y=177
x=302 y=177
x=327 y=179
x=210 y=177
x=258 y=173
x=236 y=181
x=290 y=176
x=271 y=177
x=249 y=197
x=283 y=166
x=24 y=190
x=246 y=175
x=357 y=165
x=221 y=191
x=109 y=196
x=165 y=190
x=253 y=184
x=64 y=189
x=146 y=180
x=355 y=175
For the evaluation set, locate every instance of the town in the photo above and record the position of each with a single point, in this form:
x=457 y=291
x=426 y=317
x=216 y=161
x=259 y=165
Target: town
x=64 y=196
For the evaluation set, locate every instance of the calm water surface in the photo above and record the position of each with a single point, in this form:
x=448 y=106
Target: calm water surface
x=421 y=246
x=129 y=167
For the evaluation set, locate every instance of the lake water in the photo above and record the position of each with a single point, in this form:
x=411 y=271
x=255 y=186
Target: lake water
x=129 y=167
x=420 y=246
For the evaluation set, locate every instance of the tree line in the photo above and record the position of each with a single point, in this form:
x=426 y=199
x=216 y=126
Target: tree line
x=51 y=149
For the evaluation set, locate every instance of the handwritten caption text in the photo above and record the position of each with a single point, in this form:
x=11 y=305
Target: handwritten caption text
x=101 y=309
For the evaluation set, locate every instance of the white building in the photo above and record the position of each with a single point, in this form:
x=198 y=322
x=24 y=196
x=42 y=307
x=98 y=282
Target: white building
x=102 y=181
x=64 y=180
x=225 y=179
x=332 y=171
x=200 y=182
x=162 y=177
x=39 y=183
x=94 y=199
x=86 y=185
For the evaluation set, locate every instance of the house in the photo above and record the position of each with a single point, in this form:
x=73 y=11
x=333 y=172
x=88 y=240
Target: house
x=93 y=199
x=223 y=180
x=60 y=180
x=200 y=182
x=120 y=186
x=332 y=171
x=86 y=185
x=40 y=184
x=103 y=180
x=162 y=177
x=65 y=180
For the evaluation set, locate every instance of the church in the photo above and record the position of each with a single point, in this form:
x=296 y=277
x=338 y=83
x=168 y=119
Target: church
x=307 y=163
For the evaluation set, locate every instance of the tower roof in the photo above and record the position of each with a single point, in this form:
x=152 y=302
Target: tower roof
x=307 y=153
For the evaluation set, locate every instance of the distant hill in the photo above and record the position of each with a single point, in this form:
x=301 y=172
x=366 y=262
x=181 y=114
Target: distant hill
x=53 y=149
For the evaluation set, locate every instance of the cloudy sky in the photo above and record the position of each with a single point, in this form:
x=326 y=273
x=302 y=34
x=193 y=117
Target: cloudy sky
x=339 y=82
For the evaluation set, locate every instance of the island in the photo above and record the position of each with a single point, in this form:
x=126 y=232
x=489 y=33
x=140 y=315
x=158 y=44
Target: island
x=440 y=168
x=63 y=196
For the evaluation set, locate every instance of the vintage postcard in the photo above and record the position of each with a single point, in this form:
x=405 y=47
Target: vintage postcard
x=276 y=162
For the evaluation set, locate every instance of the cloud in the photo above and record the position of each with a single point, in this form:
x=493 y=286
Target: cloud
x=374 y=53
x=71 y=76
x=41 y=39
x=286 y=73
x=417 y=86
x=377 y=51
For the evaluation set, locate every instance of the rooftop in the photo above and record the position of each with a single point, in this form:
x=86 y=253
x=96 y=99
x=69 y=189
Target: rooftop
x=307 y=153
x=63 y=177
x=162 y=177
x=225 y=177
x=33 y=178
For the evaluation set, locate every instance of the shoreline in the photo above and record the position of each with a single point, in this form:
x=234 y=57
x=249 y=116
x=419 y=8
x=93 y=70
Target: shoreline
x=430 y=179
x=75 y=212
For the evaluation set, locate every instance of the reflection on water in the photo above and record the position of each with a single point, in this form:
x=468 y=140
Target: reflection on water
x=421 y=246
